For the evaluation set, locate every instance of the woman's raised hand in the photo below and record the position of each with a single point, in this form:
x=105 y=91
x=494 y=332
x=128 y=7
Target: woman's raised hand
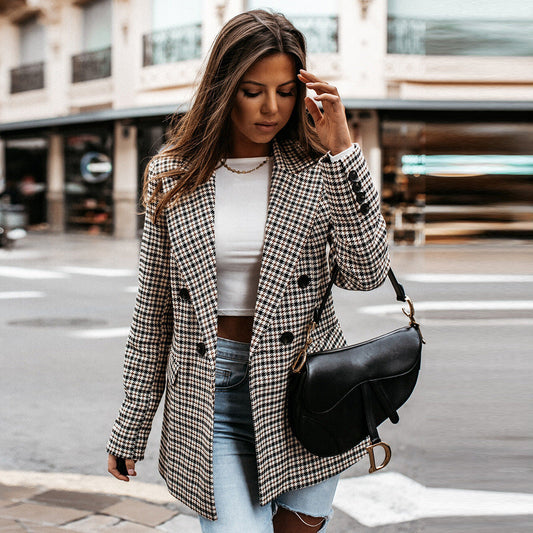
x=331 y=125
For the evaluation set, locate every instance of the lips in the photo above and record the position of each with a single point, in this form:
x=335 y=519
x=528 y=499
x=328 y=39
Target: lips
x=266 y=126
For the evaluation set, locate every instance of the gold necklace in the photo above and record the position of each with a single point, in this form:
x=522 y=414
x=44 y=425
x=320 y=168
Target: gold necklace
x=244 y=171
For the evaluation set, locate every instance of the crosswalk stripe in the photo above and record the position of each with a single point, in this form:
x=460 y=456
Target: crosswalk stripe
x=104 y=272
x=469 y=278
x=390 y=498
x=63 y=272
x=104 y=333
x=29 y=273
x=454 y=305
x=15 y=295
x=479 y=322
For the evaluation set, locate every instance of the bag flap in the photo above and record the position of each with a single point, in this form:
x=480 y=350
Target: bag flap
x=333 y=374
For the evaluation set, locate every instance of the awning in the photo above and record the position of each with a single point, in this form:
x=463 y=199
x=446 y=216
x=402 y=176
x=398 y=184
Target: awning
x=111 y=115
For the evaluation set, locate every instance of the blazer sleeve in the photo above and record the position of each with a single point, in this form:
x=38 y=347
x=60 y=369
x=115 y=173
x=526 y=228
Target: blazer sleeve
x=358 y=236
x=147 y=346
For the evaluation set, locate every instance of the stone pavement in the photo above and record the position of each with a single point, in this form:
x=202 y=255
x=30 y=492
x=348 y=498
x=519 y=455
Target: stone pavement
x=38 y=509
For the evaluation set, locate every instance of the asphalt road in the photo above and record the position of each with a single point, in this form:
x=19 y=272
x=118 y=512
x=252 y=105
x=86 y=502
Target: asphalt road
x=66 y=303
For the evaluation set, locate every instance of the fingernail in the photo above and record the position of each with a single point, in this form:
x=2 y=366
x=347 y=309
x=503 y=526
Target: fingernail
x=131 y=472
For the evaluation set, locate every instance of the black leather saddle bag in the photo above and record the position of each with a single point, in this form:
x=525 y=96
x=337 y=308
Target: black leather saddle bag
x=338 y=397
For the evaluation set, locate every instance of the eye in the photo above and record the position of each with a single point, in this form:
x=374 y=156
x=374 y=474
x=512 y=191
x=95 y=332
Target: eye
x=285 y=94
x=248 y=94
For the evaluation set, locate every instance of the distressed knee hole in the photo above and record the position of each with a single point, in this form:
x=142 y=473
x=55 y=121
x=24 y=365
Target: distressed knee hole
x=310 y=521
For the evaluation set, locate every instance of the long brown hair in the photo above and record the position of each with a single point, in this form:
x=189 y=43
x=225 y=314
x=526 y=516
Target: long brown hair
x=200 y=138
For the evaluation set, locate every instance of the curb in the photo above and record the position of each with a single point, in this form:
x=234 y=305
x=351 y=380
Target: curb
x=148 y=492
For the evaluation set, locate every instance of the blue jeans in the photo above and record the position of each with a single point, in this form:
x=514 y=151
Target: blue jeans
x=234 y=463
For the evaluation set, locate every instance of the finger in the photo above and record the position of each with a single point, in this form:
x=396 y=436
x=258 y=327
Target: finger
x=313 y=109
x=308 y=75
x=329 y=99
x=305 y=79
x=322 y=87
x=113 y=470
x=130 y=465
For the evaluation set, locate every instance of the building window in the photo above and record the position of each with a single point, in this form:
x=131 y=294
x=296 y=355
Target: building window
x=96 y=32
x=91 y=65
x=95 y=60
x=316 y=19
x=176 y=32
x=455 y=27
x=29 y=75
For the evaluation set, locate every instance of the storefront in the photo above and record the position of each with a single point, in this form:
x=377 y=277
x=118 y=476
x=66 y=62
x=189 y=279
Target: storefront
x=25 y=178
x=88 y=187
x=87 y=169
x=450 y=171
x=454 y=177
x=151 y=136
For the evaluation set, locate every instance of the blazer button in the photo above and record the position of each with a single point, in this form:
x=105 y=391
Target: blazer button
x=184 y=294
x=200 y=348
x=286 y=338
x=303 y=281
x=352 y=176
x=361 y=197
x=356 y=186
x=364 y=208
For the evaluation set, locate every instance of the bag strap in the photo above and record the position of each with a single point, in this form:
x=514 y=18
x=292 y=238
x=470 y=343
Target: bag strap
x=400 y=296
x=398 y=289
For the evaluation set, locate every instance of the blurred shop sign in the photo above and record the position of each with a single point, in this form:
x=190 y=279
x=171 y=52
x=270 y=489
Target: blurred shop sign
x=467 y=165
x=95 y=167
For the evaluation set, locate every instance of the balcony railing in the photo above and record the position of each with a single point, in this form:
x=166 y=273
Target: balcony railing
x=321 y=33
x=27 y=78
x=91 y=65
x=172 y=45
x=460 y=37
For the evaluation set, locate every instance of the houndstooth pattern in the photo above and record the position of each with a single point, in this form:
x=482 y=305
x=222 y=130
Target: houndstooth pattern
x=172 y=341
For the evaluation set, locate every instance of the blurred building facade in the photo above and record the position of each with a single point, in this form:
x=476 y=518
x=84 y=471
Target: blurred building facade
x=439 y=95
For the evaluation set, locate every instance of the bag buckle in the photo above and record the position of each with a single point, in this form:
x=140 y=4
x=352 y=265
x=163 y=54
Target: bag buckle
x=302 y=354
x=370 y=451
x=411 y=316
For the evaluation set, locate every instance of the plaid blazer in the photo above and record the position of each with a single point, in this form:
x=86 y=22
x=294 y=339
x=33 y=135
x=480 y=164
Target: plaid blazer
x=173 y=337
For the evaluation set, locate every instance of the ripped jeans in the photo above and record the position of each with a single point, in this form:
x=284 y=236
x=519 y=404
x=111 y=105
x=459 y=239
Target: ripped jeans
x=234 y=464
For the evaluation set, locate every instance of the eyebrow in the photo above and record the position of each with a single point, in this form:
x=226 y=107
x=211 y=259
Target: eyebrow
x=263 y=85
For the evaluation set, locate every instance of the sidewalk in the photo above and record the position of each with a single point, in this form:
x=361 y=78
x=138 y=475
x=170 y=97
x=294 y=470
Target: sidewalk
x=41 y=509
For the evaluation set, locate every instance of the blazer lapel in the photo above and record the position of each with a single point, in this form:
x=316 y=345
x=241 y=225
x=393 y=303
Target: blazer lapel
x=192 y=239
x=294 y=193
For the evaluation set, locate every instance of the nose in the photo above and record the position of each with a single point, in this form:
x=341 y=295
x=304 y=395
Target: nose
x=270 y=104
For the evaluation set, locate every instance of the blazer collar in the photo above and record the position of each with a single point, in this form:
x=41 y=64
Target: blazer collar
x=289 y=155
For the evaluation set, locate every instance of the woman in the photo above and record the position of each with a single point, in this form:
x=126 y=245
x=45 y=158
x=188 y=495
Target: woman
x=229 y=278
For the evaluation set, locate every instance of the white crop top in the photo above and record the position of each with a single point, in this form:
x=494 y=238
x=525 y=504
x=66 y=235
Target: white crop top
x=240 y=215
x=241 y=205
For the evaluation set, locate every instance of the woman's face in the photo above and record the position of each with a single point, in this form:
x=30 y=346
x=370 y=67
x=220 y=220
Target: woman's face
x=263 y=105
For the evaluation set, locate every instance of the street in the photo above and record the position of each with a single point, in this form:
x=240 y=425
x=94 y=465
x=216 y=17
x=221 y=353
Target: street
x=65 y=307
